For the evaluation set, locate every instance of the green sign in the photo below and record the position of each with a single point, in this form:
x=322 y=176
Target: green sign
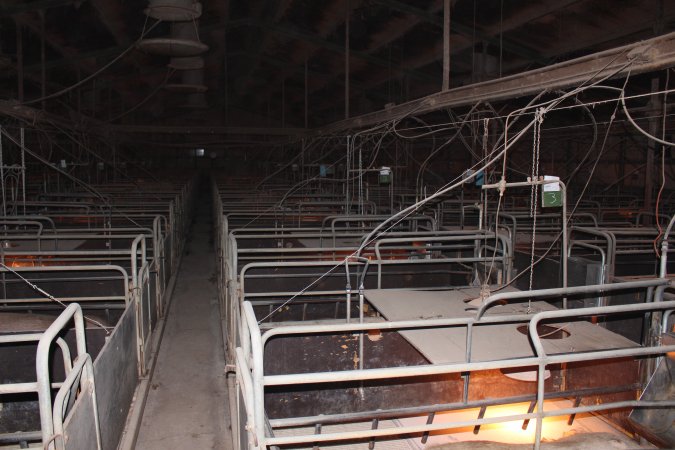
x=551 y=199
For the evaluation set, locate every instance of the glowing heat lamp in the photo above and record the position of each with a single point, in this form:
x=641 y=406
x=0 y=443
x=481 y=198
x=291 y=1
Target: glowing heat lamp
x=28 y=261
x=513 y=432
x=16 y=263
x=509 y=431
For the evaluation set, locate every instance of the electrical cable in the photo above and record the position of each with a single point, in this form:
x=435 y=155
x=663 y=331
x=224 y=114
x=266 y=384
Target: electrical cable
x=549 y=105
x=76 y=180
x=370 y=237
x=591 y=147
x=663 y=170
x=282 y=168
x=451 y=185
x=420 y=172
x=85 y=147
x=583 y=191
x=152 y=93
x=95 y=74
x=638 y=128
x=51 y=297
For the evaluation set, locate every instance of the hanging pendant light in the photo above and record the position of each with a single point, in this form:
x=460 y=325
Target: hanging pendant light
x=187 y=63
x=184 y=41
x=192 y=81
x=174 y=10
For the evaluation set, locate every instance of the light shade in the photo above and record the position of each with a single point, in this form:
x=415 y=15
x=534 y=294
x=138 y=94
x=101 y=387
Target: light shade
x=187 y=63
x=174 y=10
x=184 y=41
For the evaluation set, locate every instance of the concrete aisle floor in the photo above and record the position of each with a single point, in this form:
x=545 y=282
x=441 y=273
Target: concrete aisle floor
x=187 y=406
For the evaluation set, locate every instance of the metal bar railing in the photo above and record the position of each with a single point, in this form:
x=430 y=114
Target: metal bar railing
x=545 y=359
x=255 y=342
x=86 y=268
x=80 y=377
x=73 y=312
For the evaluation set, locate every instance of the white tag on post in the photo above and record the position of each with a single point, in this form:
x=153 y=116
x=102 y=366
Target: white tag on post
x=551 y=187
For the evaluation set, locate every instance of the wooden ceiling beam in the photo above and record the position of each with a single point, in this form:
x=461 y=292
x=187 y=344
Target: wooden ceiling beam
x=460 y=43
x=645 y=56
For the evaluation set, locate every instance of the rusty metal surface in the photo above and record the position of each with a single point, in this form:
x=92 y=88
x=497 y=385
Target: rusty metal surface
x=331 y=353
x=313 y=353
x=650 y=55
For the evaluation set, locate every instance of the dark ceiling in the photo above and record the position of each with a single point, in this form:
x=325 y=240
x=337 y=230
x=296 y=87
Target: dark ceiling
x=266 y=57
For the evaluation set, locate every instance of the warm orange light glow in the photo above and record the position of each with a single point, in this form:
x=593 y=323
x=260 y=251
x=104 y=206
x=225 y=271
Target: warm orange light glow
x=554 y=428
x=512 y=432
x=22 y=264
x=80 y=220
x=28 y=261
x=393 y=254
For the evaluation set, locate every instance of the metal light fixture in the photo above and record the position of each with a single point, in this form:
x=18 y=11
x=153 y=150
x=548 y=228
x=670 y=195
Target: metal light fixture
x=174 y=10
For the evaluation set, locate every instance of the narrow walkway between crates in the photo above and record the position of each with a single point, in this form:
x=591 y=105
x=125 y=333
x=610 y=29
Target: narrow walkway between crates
x=187 y=405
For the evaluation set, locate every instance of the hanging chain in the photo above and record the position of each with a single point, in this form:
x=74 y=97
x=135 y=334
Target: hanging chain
x=486 y=122
x=539 y=119
x=534 y=161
